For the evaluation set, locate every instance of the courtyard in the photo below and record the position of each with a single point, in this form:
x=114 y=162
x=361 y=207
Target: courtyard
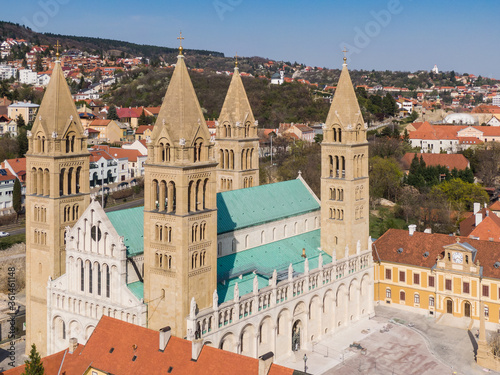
x=393 y=342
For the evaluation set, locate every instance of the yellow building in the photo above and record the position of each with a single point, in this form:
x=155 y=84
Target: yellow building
x=438 y=274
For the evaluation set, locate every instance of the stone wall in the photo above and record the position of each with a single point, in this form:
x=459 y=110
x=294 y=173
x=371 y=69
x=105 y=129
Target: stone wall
x=14 y=256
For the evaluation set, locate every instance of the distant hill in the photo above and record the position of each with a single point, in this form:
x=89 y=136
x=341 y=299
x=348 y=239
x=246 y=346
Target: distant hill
x=93 y=45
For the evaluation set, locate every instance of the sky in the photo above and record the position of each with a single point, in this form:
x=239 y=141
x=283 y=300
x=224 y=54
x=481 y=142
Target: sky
x=406 y=35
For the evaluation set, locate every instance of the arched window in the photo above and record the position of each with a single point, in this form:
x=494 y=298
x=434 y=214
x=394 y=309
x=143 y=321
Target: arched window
x=233 y=248
x=402 y=296
x=388 y=293
x=247 y=241
x=262 y=237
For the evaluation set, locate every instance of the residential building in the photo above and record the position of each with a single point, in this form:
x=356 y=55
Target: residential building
x=26 y=109
x=7 y=180
x=7 y=72
x=302 y=131
x=143 y=132
x=28 y=77
x=111 y=131
x=105 y=169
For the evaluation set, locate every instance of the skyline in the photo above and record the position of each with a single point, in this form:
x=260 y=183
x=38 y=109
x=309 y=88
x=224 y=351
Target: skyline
x=402 y=35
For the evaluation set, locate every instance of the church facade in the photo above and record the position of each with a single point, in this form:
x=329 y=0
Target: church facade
x=249 y=269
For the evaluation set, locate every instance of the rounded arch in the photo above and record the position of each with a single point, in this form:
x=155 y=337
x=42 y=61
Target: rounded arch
x=88 y=331
x=341 y=302
x=265 y=335
x=228 y=342
x=247 y=337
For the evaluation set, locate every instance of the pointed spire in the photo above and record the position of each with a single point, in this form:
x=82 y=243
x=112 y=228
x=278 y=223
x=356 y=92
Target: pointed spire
x=345 y=110
x=236 y=107
x=58 y=109
x=180 y=113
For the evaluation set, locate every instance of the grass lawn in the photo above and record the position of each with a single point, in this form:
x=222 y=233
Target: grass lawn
x=7 y=242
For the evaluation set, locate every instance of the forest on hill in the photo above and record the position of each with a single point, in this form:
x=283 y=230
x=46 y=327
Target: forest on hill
x=271 y=104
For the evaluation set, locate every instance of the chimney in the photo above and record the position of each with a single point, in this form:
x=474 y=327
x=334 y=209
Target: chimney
x=196 y=347
x=411 y=229
x=73 y=344
x=428 y=230
x=165 y=334
x=477 y=207
x=304 y=253
x=265 y=362
x=479 y=218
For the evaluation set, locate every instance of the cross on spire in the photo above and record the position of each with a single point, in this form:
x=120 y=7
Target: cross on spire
x=57 y=49
x=345 y=55
x=181 y=38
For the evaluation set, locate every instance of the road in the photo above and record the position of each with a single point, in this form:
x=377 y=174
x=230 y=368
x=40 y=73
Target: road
x=14 y=229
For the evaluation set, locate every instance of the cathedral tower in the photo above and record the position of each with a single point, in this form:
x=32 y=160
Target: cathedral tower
x=180 y=210
x=57 y=193
x=344 y=174
x=237 y=143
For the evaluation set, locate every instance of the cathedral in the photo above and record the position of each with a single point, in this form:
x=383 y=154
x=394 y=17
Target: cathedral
x=213 y=255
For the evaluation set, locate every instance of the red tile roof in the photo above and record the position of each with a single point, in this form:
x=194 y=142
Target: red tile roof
x=119 y=152
x=142 y=128
x=18 y=165
x=414 y=249
x=469 y=224
x=487 y=230
x=129 y=112
x=447 y=160
x=136 y=351
x=100 y=122
x=495 y=206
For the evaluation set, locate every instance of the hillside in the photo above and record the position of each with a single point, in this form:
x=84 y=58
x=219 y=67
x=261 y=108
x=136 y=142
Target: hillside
x=94 y=45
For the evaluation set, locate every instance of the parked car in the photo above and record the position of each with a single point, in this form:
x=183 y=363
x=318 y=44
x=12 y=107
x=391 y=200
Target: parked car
x=4 y=234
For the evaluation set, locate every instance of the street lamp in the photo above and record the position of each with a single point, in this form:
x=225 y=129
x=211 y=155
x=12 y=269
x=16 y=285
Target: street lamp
x=305 y=363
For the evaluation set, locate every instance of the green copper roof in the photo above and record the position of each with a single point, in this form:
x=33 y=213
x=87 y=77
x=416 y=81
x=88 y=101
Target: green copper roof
x=129 y=223
x=137 y=288
x=243 y=208
x=264 y=260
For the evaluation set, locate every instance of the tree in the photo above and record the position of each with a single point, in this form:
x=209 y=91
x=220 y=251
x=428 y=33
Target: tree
x=385 y=177
x=33 y=365
x=460 y=194
x=20 y=121
x=143 y=120
x=22 y=142
x=112 y=114
x=17 y=198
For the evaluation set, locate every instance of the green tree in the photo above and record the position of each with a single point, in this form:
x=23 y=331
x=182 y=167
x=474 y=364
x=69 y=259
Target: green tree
x=112 y=114
x=385 y=178
x=22 y=141
x=33 y=365
x=143 y=119
x=460 y=194
x=20 y=121
x=17 y=198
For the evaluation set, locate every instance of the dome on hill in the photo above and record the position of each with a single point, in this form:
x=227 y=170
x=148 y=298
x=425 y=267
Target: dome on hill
x=460 y=119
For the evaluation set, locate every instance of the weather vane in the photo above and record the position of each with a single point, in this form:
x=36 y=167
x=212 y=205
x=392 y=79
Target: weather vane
x=345 y=55
x=181 y=38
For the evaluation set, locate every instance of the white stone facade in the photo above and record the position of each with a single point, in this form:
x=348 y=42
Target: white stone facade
x=95 y=282
x=291 y=313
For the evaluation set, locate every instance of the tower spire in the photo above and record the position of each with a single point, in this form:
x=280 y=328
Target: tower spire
x=345 y=111
x=181 y=38
x=58 y=56
x=180 y=115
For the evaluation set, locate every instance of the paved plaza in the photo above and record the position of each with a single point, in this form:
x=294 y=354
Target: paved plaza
x=393 y=342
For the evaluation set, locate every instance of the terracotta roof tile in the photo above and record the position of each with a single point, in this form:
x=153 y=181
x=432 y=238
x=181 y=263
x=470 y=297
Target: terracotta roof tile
x=415 y=247
x=136 y=351
x=447 y=160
